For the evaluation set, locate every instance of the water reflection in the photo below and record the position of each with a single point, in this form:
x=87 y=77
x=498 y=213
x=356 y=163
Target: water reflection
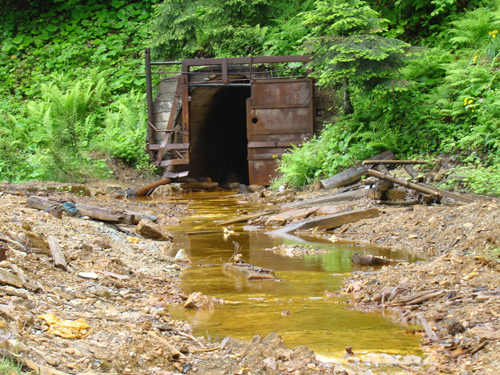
x=325 y=325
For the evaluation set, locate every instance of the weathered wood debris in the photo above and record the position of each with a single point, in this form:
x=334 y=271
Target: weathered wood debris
x=249 y=271
x=94 y=212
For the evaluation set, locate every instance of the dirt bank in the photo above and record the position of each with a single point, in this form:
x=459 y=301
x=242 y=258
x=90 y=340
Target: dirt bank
x=120 y=284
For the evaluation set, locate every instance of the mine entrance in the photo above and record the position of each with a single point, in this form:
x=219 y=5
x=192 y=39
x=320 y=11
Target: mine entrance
x=229 y=119
x=218 y=133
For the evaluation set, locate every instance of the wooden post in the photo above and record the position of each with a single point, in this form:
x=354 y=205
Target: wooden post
x=149 y=98
x=57 y=253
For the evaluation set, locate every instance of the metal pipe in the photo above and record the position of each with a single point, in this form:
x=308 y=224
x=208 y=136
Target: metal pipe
x=196 y=84
x=166 y=62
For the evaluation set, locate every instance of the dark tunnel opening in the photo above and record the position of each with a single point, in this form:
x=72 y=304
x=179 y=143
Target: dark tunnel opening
x=219 y=133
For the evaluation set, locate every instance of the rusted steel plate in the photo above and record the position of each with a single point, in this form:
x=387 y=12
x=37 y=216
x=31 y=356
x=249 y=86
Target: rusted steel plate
x=261 y=172
x=279 y=114
x=280 y=121
x=281 y=94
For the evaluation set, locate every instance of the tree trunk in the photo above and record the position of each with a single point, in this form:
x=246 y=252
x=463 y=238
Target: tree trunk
x=348 y=109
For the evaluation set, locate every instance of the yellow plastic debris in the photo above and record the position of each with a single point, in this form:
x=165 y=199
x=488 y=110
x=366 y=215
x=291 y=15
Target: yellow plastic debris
x=133 y=239
x=68 y=329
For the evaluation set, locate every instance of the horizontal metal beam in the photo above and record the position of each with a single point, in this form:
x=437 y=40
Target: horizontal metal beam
x=196 y=84
x=166 y=62
x=248 y=60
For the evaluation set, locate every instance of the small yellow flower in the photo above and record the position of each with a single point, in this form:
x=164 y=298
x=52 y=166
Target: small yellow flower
x=470 y=101
x=466 y=100
x=475 y=58
x=472 y=109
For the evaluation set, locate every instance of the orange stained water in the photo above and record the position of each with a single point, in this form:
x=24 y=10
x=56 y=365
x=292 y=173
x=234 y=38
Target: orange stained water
x=295 y=305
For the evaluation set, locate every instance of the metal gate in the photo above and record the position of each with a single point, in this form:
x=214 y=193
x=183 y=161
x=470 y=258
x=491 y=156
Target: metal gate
x=279 y=114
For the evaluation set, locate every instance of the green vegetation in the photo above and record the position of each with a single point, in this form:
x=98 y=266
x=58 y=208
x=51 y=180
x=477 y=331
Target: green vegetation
x=420 y=78
x=72 y=75
x=10 y=367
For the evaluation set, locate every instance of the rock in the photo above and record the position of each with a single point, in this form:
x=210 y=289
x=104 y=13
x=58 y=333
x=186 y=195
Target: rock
x=182 y=256
x=242 y=190
x=151 y=230
x=101 y=243
x=88 y=275
x=255 y=188
x=101 y=291
x=9 y=278
x=370 y=260
x=396 y=194
x=275 y=220
x=270 y=362
x=36 y=242
x=317 y=186
x=80 y=190
x=453 y=326
x=198 y=301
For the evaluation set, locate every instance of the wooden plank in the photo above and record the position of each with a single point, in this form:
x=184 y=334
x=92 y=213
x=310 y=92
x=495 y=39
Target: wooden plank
x=57 y=253
x=329 y=221
x=241 y=219
x=170 y=123
x=347 y=196
x=166 y=163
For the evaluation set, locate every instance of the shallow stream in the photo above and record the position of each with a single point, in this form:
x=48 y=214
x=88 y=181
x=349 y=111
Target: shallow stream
x=295 y=305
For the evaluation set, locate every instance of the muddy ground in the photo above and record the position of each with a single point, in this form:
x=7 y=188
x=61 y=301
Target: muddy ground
x=120 y=284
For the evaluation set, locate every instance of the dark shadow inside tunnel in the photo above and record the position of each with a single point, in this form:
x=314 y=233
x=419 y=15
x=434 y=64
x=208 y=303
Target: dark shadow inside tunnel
x=219 y=133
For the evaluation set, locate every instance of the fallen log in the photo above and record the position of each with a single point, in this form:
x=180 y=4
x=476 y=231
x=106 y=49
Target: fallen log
x=57 y=253
x=353 y=174
x=94 y=212
x=329 y=221
x=149 y=188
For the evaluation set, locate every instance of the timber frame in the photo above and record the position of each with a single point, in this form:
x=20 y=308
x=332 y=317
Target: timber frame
x=176 y=135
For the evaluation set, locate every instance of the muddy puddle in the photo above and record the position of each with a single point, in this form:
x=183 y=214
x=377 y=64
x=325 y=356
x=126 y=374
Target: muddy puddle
x=295 y=305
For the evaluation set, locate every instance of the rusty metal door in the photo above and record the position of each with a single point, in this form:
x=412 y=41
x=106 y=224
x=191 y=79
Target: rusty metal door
x=279 y=114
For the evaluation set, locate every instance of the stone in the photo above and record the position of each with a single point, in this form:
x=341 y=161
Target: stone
x=151 y=230
x=182 y=256
x=256 y=188
x=9 y=278
x=199 y=301
x=101 y=243
x=101 y=291
x=396 y=194
x=453 y=326
x=36 y=242
x=80 y=190
x=88 y=275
